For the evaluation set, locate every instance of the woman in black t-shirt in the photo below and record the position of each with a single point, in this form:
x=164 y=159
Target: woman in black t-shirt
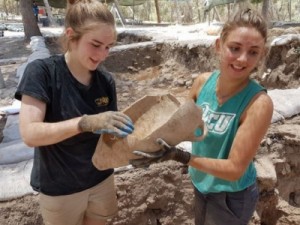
x=66 y=104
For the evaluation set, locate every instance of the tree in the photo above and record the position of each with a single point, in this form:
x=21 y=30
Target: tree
x=265 y=9
x=18 y=7
x=49 y=12
x=157 y=11
x=5 y=7
x=29 y=22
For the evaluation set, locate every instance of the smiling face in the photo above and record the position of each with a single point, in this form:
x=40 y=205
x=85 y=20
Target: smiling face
x=93 y=47
x=240 y=52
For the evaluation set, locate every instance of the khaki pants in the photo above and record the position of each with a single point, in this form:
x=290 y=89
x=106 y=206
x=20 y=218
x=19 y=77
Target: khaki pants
x=98 y=202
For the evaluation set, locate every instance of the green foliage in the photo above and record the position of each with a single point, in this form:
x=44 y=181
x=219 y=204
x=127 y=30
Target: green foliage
x=63 y=3
x=54 y=3
x=173 y=11
x=256 y=1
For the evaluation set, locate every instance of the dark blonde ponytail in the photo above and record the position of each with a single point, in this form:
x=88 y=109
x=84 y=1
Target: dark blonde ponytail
x=245 y=18
x=85 y=15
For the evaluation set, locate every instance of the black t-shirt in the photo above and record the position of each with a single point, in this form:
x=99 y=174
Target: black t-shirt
x=66 y=167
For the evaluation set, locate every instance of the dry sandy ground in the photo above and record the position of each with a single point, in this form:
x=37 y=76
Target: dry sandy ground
x=162 y=194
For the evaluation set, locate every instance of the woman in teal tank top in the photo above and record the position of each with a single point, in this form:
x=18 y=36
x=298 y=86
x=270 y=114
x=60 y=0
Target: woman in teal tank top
x=237 y=112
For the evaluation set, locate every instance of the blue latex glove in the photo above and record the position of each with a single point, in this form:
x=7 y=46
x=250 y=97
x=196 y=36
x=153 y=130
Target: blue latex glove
x=111 y=122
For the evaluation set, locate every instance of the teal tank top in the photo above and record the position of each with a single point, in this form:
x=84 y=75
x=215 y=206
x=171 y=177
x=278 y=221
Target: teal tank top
x=222 y=122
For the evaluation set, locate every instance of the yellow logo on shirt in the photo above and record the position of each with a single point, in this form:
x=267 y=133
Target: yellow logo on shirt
x=103 y=101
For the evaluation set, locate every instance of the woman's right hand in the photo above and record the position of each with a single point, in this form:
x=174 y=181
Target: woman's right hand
x=111 y=122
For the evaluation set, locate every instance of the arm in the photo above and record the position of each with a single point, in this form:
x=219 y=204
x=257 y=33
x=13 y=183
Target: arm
x=254 y=124
x=35 y=132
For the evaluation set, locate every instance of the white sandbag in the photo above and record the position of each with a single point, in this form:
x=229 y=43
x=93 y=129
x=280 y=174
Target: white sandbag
x=276 y=117
x=35 y=55
x=20 y=70
x=285 y=39
x=15 y=180
x=11 y=130
x=14 y=152
x=39 y=51
x=37 y=42
x=39 y=55
x=286 y=102
x=11 y=109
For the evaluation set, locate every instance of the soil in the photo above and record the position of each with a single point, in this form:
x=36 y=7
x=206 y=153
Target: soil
x=163 y=194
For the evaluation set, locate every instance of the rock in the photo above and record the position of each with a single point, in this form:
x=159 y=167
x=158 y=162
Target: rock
x=266 y=174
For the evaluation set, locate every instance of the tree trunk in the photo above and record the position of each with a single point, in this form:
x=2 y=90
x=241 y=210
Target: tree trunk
x=272 y=11
x=228 y=11
x=5 y=8
x=18 y=7
x=217 y=14
x=290 y=9
x=29 y=21
x=157 y=11
x=298 y=8
x=198 y=11
x=265 y=9
x=278 y=15
x=116 y=7
x=178 y=16
x=49 y=12
x=2 y=83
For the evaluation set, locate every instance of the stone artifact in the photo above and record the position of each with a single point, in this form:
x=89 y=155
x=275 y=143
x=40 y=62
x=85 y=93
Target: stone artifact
x=153 y=117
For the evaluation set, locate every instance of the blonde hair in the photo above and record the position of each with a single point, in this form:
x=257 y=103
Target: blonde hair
x=83 y=16
x=245 y=18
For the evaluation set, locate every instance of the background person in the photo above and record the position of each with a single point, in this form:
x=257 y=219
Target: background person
x=237 y=112
x=35 y=9
x=66 y=104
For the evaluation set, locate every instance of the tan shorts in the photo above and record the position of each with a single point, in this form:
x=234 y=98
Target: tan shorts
x=99 y=203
